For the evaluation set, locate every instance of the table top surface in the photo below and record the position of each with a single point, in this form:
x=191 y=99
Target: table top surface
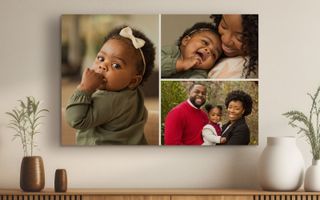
x=178 y=191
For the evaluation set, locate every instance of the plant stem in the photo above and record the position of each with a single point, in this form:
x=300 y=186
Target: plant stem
x=32 y=133
x=22 y=141
x=25 y=140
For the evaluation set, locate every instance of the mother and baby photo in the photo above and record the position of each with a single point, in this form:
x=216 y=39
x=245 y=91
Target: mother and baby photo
x=110 y=79
x=209 y=46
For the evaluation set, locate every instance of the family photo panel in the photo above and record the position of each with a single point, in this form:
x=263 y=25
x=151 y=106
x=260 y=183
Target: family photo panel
x=209 y=113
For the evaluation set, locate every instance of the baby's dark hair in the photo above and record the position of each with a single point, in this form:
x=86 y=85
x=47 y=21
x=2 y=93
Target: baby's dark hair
x=208 y=107
x=250 y=41
x=148 y=50
x=239 y=95
x=201 y=26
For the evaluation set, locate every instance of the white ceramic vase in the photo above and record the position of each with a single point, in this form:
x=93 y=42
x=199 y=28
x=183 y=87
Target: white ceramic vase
x=312 y=179
x=281 y=166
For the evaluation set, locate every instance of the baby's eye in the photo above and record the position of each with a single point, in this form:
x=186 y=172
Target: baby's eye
x=100 y=58
x=116 y=66
x=205 y=42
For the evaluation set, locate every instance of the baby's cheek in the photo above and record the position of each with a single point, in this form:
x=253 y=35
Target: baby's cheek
x=211 y=61
x=102 y=87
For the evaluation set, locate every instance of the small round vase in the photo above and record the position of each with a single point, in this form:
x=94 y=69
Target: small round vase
x=281 y=165
x=32 y=174
x=312 y=179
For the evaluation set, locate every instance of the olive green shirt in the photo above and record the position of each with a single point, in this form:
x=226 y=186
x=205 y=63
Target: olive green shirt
x=108 y=117
x=169 y=56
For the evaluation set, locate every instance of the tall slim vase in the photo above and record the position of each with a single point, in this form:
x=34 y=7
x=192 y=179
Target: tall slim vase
x=281 y=165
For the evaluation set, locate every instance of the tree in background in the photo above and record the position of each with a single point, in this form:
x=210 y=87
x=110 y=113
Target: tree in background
x=173 y=93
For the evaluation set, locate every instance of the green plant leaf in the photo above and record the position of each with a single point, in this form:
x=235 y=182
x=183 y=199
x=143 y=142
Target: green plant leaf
x=14 y=125
x=311 y=125
x=22 y=104
x=12 y=115
x=17 y=130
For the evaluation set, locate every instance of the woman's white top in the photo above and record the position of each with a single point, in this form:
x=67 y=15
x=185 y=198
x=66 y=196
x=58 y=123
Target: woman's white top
x=228 y=68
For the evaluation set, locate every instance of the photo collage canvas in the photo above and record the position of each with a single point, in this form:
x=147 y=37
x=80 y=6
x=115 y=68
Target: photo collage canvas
x=161 y=79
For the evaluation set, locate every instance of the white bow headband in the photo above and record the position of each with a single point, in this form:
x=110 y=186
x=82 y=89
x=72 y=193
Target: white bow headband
x=138 y=43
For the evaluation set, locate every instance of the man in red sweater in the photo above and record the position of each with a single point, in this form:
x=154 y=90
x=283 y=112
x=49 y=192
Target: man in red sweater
x=184 y=122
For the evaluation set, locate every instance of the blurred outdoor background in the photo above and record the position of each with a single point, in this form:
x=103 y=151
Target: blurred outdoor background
x=175 y=92
x=81 y=39
x=173 y=26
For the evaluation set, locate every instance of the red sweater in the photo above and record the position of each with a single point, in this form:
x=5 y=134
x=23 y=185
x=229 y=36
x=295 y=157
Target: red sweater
x=183 y=125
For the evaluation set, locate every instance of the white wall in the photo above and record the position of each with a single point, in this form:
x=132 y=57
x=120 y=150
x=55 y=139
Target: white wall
x=30 y=62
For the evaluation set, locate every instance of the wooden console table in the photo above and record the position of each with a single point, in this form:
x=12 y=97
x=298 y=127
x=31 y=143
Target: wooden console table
x=156 y=194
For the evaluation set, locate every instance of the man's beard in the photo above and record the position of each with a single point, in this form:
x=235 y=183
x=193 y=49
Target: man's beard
x=193 y=101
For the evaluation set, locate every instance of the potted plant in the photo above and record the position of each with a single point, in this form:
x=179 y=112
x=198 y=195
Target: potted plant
x=309 y=125
x=25 y=121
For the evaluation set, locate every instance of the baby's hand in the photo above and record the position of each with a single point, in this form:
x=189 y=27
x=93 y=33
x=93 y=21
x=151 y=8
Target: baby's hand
x=90 y=81
x=187 y=63
x=223 y=140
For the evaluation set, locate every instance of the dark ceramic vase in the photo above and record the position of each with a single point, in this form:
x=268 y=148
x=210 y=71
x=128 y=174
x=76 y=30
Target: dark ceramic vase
x=32 y=178
x=60 y=180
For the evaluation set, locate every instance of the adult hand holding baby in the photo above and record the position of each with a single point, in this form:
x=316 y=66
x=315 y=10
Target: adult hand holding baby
x=90 y=81
x=223 y=140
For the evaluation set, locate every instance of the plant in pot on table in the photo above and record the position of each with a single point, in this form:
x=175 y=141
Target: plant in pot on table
x=309 y=125
x=25 y=120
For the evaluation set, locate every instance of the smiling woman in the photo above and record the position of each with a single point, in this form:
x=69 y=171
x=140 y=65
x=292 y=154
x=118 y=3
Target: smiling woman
x=236 y=130
x=230 y=29
x=239 y=36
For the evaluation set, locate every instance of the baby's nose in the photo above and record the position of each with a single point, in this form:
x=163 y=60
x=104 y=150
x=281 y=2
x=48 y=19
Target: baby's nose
x=208 y=51
x=101 y=69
